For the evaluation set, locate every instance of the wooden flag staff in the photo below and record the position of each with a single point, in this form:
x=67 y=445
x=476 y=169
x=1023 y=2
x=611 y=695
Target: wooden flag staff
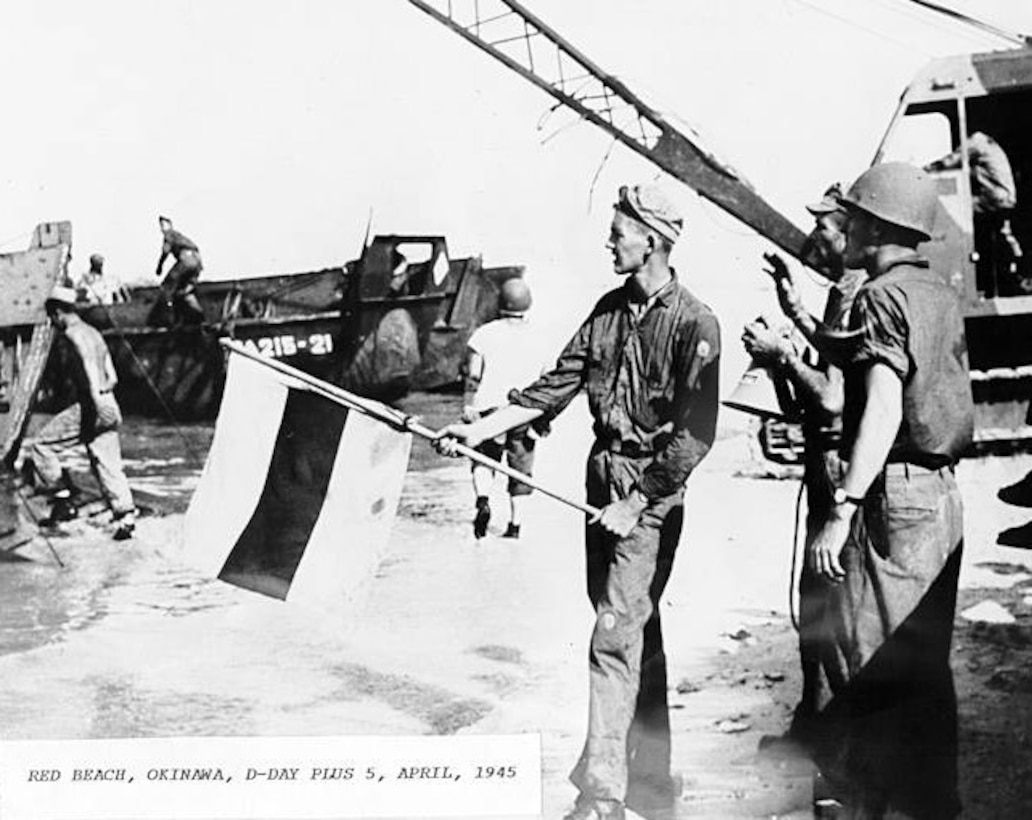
x=396 y=418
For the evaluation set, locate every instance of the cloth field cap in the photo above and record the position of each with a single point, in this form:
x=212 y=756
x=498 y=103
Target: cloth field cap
x=96 y=259
x=830 y=202
x=650 y=206
x=61 y=295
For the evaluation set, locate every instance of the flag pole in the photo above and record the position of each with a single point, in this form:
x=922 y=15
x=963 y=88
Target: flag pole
x=396 y=418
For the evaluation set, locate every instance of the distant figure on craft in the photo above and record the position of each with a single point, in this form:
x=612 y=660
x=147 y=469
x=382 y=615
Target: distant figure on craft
x=994 y=196
x=99 y=288
x=179 y=286
x=400 y=274
x=501 y=358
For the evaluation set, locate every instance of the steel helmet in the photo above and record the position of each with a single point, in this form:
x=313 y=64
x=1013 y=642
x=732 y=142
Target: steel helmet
x=897 y=193
x=514 y=297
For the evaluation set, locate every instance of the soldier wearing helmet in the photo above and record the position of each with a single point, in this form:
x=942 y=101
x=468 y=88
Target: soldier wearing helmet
x=503 y=355
x=891 y=542
x=514 y=297
x=648 y=359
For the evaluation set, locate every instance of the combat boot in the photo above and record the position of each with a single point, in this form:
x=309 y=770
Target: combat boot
x=125 y=526
x=62 y=509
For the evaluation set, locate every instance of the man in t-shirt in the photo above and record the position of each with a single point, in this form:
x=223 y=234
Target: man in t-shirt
x=97 y=287
x=501 y=358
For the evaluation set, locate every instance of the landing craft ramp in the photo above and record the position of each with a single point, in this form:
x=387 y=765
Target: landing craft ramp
x=27 y=278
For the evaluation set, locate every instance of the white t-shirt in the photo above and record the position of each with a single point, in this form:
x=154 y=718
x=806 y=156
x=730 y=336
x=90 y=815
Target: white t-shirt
x=513 y=357
x=103 y=290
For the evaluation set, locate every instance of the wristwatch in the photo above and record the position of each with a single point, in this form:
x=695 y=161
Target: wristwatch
x=840 y=497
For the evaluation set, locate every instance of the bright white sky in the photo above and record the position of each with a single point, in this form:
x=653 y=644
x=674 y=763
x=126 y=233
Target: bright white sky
x=268 y=130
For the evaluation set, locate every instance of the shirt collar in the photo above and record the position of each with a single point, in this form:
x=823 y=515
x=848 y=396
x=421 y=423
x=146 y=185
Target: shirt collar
x=913 y=259
x=663 y=296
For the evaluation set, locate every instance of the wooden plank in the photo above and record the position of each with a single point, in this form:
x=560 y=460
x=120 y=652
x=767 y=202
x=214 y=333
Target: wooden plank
x=27 y=278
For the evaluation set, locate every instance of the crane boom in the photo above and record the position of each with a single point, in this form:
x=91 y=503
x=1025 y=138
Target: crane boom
x=521 y=41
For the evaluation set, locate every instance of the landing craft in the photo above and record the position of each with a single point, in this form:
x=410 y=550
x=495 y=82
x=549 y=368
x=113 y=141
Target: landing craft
x=395 y=319
x=947 y=103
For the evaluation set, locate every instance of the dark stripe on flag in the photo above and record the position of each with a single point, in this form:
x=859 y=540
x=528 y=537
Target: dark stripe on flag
x=268 y=551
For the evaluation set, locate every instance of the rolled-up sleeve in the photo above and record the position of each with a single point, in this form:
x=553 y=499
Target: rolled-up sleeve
x=695 y=411
x=554 y=390
x=881 y=317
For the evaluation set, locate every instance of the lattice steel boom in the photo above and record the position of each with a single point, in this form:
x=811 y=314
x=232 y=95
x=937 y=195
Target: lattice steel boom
x=517 y=38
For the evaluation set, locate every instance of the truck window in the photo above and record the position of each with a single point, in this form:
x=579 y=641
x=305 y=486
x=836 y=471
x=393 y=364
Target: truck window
x=919 y=138
x=1003 y=195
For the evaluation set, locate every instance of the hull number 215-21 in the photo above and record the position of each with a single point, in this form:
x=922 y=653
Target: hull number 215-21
x=277 y=347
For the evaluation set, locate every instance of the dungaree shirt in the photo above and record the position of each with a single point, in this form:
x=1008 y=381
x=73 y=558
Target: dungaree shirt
x=641 y=374
x=911 y=322
x=188 y=264
x=175 y=243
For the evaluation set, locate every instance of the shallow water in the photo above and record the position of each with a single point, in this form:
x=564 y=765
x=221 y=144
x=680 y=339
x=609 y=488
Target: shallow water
x=133 y=643
x=164 y=463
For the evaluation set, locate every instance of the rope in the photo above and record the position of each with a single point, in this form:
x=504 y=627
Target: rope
x=598 y=173
x=989 y=28
x=908 y=46
x=793 y=587
x=922 y=17
x=195 y=457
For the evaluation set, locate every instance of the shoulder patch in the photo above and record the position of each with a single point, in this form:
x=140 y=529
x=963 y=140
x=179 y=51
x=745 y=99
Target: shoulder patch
x=702 y=350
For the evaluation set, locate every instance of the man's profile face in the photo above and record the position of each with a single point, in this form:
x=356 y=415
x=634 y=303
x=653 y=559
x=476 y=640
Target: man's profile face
x=628 y=243
x=165 y=225
x=828 y=243
x=861 y=239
